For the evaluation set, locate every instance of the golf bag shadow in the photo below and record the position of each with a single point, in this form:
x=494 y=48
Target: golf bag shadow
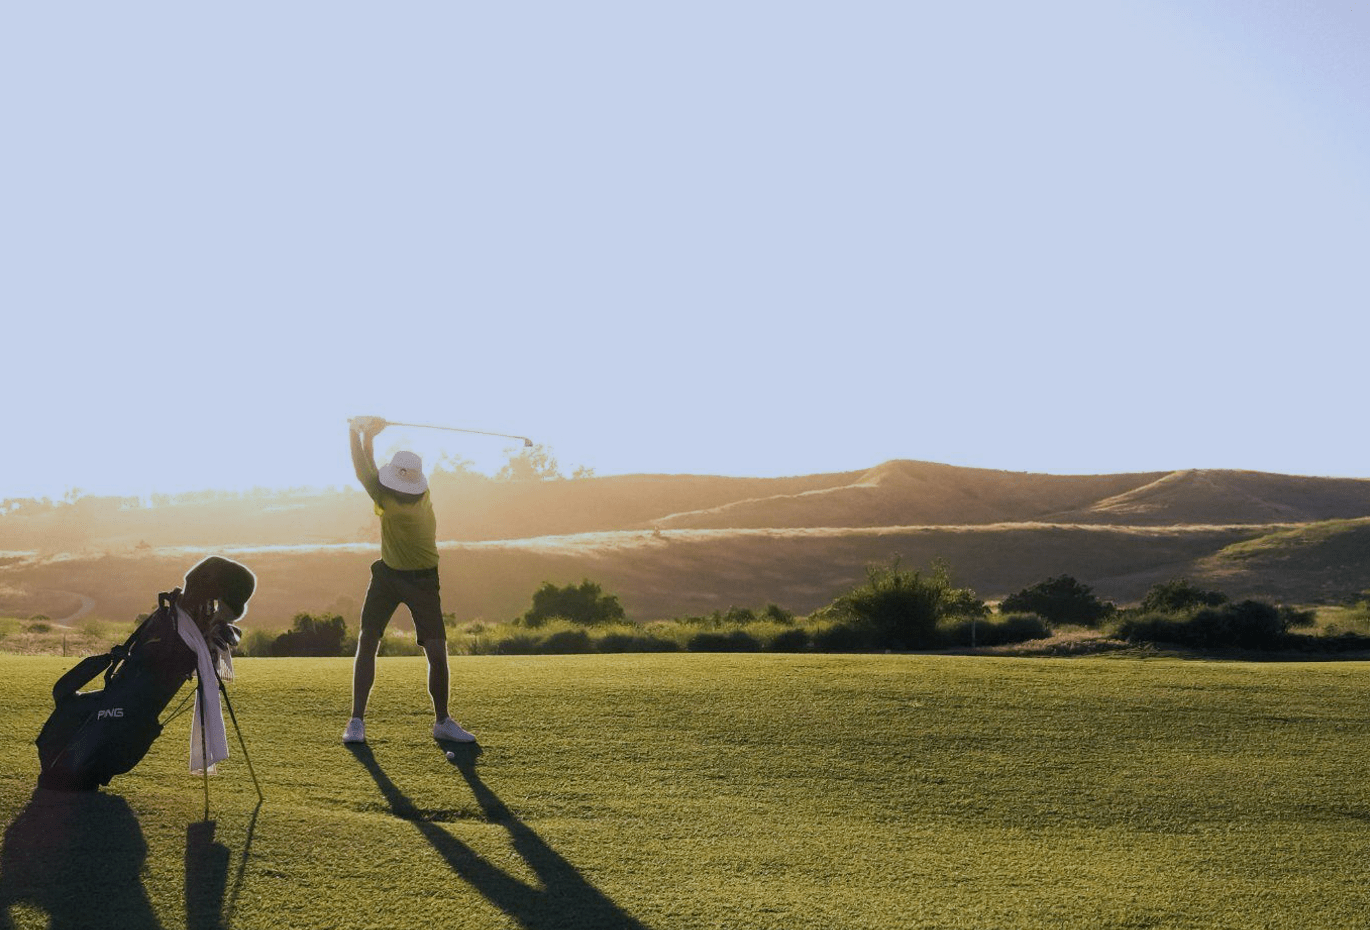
x=93 y=736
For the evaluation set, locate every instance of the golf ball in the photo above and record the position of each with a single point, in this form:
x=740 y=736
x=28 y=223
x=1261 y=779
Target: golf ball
x=451 y=755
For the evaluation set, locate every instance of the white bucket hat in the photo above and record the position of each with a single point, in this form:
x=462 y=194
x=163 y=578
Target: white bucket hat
x=404 y=474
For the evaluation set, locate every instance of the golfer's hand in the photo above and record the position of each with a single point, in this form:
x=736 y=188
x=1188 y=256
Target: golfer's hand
x=368 y=426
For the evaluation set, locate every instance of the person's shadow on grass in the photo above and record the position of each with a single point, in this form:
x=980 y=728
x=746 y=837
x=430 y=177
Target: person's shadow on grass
x=77 y=856
x=565 y=899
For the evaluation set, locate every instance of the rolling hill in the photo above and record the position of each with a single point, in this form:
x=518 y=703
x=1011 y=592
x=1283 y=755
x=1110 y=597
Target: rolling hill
x=679 y=544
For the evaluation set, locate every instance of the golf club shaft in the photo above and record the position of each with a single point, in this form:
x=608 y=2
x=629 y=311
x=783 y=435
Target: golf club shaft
x=456 y=429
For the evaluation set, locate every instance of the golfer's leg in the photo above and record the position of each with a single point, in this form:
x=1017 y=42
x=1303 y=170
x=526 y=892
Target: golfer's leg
x=364 y=671
x=377 y=609
x=437 y=676
x=423 y=597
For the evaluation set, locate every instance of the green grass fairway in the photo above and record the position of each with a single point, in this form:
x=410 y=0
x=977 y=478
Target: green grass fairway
x=717 y=791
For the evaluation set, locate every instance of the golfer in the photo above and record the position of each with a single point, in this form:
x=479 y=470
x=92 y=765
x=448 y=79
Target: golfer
x=407 y=573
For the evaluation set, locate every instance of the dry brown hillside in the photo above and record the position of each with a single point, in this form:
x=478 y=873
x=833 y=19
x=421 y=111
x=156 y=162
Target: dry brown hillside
x=656 y=575
x=1207 y=496
x=671 y=545
x=917 y=494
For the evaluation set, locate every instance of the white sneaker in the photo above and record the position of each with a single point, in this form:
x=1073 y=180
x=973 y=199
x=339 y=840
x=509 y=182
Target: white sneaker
x=449 y=729
x=355 y=732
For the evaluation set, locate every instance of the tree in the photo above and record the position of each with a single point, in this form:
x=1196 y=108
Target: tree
x=530 y=464
x=1059 y=600
x=454 y=465
x=1179 y=595
x=585 y=604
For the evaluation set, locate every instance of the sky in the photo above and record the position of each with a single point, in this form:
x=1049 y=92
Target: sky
x=741 y=238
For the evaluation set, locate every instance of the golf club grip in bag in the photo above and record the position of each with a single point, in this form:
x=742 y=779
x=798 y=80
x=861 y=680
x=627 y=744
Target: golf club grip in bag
x=93 y=736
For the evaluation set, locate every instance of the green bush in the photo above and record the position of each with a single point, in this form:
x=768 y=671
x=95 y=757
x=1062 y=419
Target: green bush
x=1295 y=618
x=794 y=639
x=1179 y=595
x=1059 y=600
x=736 y=641
x=391 y=644
x=1244 y=625
x=256 y=643
x=740 y=616
x=1015 y=628
x=1332 y=642
x=843 y=637
x=519 y=644
x=636 y=642
x=777 y=614
x=900 y=609
x=585 y=603
x=566 y=642
x=311 y=635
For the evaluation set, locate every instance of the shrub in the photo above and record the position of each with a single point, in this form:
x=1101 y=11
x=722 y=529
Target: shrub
x=739 y=616
x=1295 y=618
x=256 y=643
x=1179 y=595
x=962 y=602
x=1337 y=643
x=777 y=614
x=1059 y=600
x=391 y=644
x=1244 y=625
x=636 y=642
x=586 y=604
x=520 y=644
x=311 y=635
x=719 y=619
x=567 y=642
x=1015 y=628
x=843 y=637
x=736 y=641
x=900 y=609
x=794 y=639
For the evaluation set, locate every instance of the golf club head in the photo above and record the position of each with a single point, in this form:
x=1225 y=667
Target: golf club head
x=527 y=443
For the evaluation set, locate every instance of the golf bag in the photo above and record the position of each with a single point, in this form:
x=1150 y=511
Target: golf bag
x=93 y=736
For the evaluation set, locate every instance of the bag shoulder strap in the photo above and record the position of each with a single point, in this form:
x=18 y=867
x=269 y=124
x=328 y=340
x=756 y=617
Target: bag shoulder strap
x=109 y=663
x=80 y=676
x=166 y=606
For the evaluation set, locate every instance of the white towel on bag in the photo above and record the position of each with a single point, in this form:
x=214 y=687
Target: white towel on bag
x=216 y=737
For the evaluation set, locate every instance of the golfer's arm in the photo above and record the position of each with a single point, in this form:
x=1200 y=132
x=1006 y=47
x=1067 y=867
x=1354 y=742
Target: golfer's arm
x=364 y=462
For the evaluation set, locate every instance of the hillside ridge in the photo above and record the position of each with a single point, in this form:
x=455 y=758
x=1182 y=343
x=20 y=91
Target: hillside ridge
x=671 y=545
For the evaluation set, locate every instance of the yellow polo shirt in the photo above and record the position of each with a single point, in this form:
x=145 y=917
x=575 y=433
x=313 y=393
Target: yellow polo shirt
x=409 y=533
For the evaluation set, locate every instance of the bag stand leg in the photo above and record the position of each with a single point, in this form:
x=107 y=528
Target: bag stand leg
x=234 y=717
x=204 y=742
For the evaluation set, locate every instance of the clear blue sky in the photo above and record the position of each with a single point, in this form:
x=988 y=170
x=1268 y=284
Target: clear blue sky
x=733 y=238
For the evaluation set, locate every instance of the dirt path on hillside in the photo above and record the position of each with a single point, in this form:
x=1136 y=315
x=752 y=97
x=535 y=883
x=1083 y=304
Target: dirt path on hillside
x=87 y=605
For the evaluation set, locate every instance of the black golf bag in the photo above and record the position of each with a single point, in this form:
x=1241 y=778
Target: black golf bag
x=93 y=736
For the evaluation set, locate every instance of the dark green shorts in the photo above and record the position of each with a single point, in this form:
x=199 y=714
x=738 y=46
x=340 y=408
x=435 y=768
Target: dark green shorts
x=417 y=590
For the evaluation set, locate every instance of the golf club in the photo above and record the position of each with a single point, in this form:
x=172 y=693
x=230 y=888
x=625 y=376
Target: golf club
x=527 y=443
